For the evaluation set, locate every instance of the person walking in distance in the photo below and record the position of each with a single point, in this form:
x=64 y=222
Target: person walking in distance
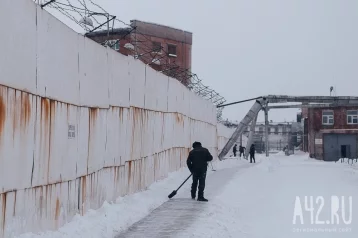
x=252 y=153
x=234 y=150
x=241 y=150
x=197 y=163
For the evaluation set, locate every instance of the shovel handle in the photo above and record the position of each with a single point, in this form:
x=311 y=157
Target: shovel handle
x=184 y=182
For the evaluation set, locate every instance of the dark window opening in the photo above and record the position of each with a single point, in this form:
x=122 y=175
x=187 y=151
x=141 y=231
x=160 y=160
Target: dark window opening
x=156 y=47
x=172 y=50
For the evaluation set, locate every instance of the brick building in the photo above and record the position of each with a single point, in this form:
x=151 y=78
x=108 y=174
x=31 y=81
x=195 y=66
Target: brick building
x=164 y=48
x=331 y=133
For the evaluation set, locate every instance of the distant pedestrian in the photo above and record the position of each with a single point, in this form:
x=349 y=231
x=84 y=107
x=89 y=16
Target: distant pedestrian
x=252 y=153
x=197 y=163
x=234 y=150
x=241 y=150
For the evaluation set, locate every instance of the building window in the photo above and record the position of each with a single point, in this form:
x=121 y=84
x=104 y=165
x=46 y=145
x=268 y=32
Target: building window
x=156 y=47
x=276 y=130
x=172 y=50
x=114 y=44
x=327 y=118
x=261 y=129
x=352 y=117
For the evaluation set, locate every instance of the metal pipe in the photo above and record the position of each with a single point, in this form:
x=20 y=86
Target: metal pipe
x=252 y=113
x=44 y=5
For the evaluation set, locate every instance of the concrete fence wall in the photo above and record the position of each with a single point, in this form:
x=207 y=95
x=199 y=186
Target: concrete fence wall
x=81 y=124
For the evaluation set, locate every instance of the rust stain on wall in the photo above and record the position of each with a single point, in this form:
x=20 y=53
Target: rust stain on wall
x=25 y=109
x=14 y=210
x=93 y=115
x=83 y=190
x=57 y=209
x=121 y=113
x=2 y=114
x=3 y=211
x=129 y=172
x=45 y=109
x=15 y=113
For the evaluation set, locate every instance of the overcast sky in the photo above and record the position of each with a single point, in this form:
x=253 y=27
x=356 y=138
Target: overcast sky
x=249 y=48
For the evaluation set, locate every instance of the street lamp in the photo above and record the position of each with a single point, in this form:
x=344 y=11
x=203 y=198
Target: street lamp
x=86 y=20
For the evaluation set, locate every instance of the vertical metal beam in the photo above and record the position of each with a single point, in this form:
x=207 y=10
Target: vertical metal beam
x=251 y=136
x=266 y=132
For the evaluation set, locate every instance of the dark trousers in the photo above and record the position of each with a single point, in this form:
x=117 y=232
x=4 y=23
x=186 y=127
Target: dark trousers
x=252 y=157
x=241 y=153
x=198 y=177
x=234 y=153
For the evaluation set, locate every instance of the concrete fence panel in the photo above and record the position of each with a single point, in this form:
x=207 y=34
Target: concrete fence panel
x=18 y=45
x=17 y=120
x=119 y=79
x=93 y=74
x=54 y=52
x=81 y=124
x=136 y=71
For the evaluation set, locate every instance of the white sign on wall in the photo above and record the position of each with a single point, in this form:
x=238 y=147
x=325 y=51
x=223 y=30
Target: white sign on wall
x=318 y=141
x=71 y=131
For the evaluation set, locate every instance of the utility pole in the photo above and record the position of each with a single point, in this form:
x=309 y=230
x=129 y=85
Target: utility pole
x=251 y=135
x=266 y=131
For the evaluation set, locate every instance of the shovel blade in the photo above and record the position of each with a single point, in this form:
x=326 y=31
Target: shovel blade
x=172 y=194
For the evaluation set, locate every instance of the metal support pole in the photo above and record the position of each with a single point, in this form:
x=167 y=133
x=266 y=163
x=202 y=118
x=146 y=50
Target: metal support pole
x=266 y=132
x=251 y=136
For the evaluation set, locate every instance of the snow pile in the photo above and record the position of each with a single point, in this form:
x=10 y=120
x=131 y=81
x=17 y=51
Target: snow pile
x=112 y=218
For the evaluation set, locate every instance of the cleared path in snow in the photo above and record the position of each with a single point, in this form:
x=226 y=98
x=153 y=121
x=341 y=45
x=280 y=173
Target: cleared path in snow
x=260 y=202
x=181 y=212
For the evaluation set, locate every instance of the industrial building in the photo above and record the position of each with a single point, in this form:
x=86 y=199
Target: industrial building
x=331 y=133
x=165 y=49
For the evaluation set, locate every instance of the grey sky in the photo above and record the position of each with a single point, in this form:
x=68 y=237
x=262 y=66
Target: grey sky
x=245 y=49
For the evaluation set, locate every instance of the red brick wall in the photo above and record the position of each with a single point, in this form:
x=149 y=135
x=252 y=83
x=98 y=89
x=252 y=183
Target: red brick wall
x=315 y=126
x=183 y=59
x=340 y=118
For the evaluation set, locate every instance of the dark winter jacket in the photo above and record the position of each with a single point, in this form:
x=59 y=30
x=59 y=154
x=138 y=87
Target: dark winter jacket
x=252 y=149
x=234 y=149
x=241 y=149
x=198 y=159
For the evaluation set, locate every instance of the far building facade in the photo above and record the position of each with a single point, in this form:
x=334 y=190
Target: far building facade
x=281 y=135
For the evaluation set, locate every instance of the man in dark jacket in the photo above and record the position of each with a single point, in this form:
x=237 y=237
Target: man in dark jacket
x=197 y=163
x=234 y=150
x=252 y=153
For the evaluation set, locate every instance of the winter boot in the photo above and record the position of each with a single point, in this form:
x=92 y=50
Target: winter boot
x=193 y=195
x=202 y=199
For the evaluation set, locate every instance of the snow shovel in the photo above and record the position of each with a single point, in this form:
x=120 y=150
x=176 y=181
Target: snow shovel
x=175 y=191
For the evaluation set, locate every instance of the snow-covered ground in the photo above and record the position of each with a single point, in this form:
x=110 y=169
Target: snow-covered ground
x=245 y=200
x=260 y=202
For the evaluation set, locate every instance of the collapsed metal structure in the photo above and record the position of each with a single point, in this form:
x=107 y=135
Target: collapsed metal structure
x=262 y=103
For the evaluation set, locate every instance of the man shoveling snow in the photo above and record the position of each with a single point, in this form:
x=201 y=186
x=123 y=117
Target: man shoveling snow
x=197 y=163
